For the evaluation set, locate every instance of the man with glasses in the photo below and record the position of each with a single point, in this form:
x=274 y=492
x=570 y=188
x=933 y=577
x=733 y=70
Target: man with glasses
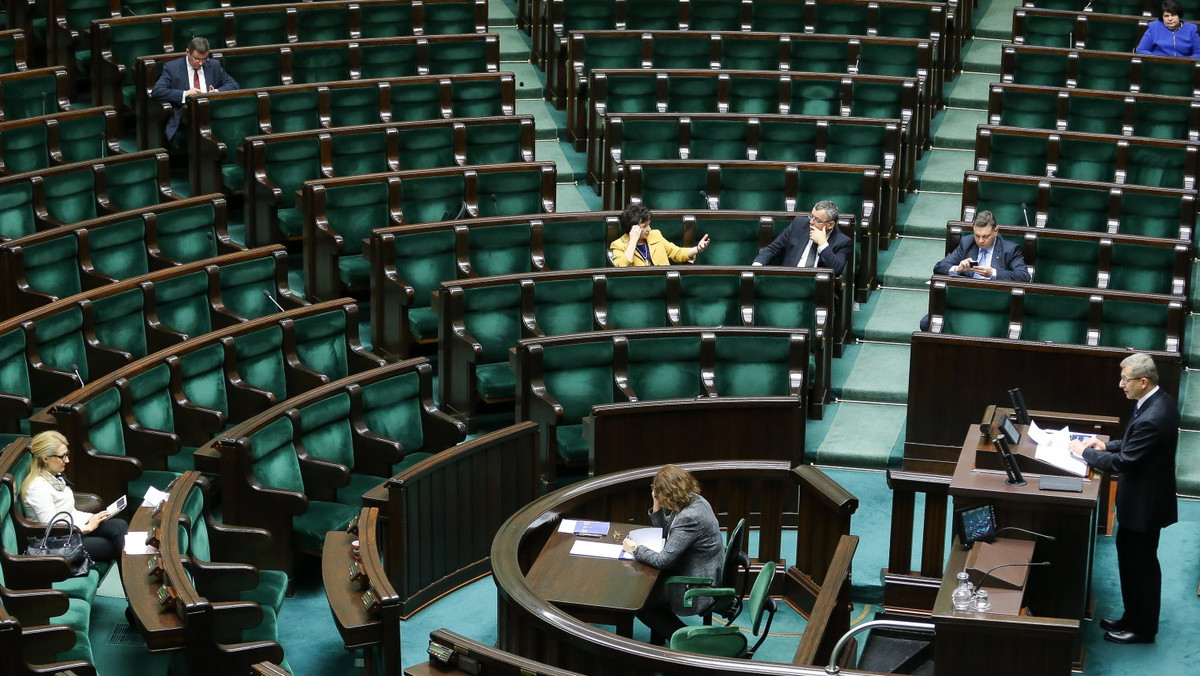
x=811 y=241
x=1145 y=459
x=184 y=78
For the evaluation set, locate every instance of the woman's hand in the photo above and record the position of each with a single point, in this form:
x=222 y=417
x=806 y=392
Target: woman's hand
x=654 y=497
x=94 y=522
x=629 y=545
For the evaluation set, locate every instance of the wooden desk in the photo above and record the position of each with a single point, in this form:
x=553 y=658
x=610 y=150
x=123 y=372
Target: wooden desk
x=600 y=591
x=162 y=628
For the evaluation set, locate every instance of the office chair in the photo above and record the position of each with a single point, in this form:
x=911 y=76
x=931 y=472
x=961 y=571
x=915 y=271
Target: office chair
x=729 y=641
x=728 y=607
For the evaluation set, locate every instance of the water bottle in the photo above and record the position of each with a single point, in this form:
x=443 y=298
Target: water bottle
x=964 y=593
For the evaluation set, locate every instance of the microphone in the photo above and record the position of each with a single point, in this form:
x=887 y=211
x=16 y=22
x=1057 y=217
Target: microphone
x=44 y=94
x=857 y=60
x=1088 y=7
x=707 y=204
x=75 y=370
x=272 y=299
x=981 y=596
x=495 y=205
x=1010 y=463
x=128 y=10
x=1041 y=535
x=1025 y=213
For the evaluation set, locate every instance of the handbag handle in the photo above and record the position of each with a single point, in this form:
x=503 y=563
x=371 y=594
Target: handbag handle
x=61 y=517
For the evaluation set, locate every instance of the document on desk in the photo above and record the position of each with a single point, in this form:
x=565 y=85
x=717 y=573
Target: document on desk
x=599 y=550
x=1052 y=448
x=651 y=538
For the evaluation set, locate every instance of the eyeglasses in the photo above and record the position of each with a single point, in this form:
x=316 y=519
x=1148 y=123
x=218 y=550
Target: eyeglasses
x=1125 y=379
x=64 y=456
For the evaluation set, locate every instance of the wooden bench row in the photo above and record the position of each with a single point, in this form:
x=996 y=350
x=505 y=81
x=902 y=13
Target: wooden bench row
x=1094 y=111
x=33 y=92
x=35 y=143
x=1097 y=69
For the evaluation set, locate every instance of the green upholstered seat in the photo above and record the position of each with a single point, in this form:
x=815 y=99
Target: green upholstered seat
x=1067 y=262
x=202 y=378
x=294 y=110
x=28 y=96
x=674 y=187
x=715 y=15
x=650 y=139
x=424 y=260
x=150 y=400
x=350 y=106
x=70 y=196
x=478 y=98
x=385 y=20
x=184 y=27
x=322 y=343
x=106 y=434
x=188 y=234
x=744 y=53
x=260 y=360
x=636 y=302
x=492 y=315
x=611 y=51
x=1132 y=324
x=1004 y=199
x=574 y=245
x=1087 y=160
x=747 y=366
x=324 y=23
x=653 y=15
x=60 y=340
x=1130 y=7
x=578 y=376
x=1141 y=268
x=118 y=321
x=231 y=120
x=394 y=60
x=1158 y=167
x=1055 y=318
x=352 y=211
x=423 y=148
x=360 y=153
x=326 y=64
x=564 y=306
x=256 y=69
x=819 y=56
x=1162 y=119
x=779 y=15
x=415 y=101
x=846 y=189
x=1153 y=215
x=288 y=164
x=785 y=301
x=8 y=54
x=1172 y=78
x=427 y=199
x=449 y=18
x=326 y=434
x=131 y=185
x=682 y=50
x=1112 y=36
x=877 y=99
x=449 y=57
x=734 y=241
x=856 y=144
x=633 y=93
x=493 y=143
x=715 y=139
x=119 y=248
x=729 y=641
x=1032 y=109
x=1024 y=155
x=182 y=304
x=976 y=311
x=79 y=618
x=787 y=140
x=842 y=19
x=1049 y=70
x=664 y=367
x=500 y=249
x=515 y=192
x=127 y=41
x=1049 y=31
x=25 y=148
x=885 y=58
x=52 y=266
x=816 y=97
x=242 y=286
x=585 y=16
x=753 y=189
x=261 y=28
x=1108 y=74
x=1095 y=115
x=392 y=409
x=14 y=375
x=1074 y=207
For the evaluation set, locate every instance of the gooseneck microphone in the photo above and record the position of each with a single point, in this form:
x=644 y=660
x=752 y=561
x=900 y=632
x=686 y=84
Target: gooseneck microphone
x=981 y=595
x=75 y=370
x=1025 y=213
x=272 y=299
x=495 y=205
x=707 y=203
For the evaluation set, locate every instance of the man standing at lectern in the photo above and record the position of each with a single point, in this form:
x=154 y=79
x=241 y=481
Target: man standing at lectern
x=1145 y=459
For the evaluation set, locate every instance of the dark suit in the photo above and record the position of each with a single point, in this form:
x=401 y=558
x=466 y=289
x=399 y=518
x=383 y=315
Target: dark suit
x=693 y=549
x=1006 y=257
x=789 y=246
x=176 y=79
x=1145 y=459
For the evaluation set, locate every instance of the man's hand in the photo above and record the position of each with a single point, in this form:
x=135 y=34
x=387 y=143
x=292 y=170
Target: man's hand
x=985 y=270
x=1077 y=447
x=191 y=92
x=963 y=266
x=818 y=235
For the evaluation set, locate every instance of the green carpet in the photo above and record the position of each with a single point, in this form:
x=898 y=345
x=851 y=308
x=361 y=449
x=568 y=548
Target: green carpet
x=572 y=166
x=993 y=18
x=955 y=128
x=514 y=43
x=969 y=90
x=909 y=264
x=530 y=83
x=983 y=56
x=572 y=197
x=879 y=374
x=925 y=213
x=862 y=435
x=942 y=170
x=547 y=120
x=894 y=314
x=1189 y=397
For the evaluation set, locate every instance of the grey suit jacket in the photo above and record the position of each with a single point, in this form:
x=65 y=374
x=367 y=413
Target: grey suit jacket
x=693 y=549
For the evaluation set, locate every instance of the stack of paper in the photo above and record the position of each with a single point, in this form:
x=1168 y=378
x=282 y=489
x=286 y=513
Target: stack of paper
x=1052 y=448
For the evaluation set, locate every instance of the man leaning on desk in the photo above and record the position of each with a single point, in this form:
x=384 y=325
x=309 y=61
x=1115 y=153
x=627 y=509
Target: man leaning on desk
x=1145 y=459
x=692 y=548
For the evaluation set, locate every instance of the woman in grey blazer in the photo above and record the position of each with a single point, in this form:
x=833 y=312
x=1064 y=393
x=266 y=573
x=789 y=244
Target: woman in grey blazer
x=693 y=548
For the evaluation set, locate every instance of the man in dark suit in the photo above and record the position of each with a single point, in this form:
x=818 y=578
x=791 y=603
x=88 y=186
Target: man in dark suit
x=1145 y=459
x=985 y=255
x=811 y=241
x=182 y=78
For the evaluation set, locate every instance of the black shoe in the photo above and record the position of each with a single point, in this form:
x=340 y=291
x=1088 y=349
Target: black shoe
x=1128 y=637
x=1111 y=624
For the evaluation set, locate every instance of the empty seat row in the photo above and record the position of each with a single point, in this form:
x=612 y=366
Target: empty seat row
x=39 y=142
x=52 y=264
x=300 y=468
x=481 y=320
x=1096 y=69
x=12 y=51
x=278 y=165
x=407 y=263
x=138 y=426
x=1045 y=313
x=1127 y=7
x=769 y=186
x=1094 y=111
x=49 y=352
x=30 y=93
x=1080 y=205
x=560 y=379
x=311 y=62
x=1127 y=160
x=219 y=122
x=1097 y=260
x=116 y=42
x=70 y=193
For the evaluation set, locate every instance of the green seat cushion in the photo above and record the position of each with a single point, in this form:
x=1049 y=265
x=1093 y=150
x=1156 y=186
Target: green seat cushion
x=409 y=460
x=423 y=323
x=572 y=447
x=321 y=517
x=351 y=493
x=271 y=589
x=495 y=381
x=233 y=177
x=291 y=223
x=82 y=588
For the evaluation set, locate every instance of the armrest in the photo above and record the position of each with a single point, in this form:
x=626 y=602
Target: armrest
x=150 y=441
x=322 y=474
x=374 y=454
x=88 y=502
x=238 y=544
x=34 y=607
x=27 y=571
x=222 y=581
x=231 y=617
x=711 y=592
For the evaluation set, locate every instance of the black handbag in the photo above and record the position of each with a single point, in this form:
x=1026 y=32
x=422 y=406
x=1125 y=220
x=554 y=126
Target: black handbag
x=69 y=546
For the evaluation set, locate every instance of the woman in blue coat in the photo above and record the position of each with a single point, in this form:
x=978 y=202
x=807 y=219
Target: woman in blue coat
x=1171 y=36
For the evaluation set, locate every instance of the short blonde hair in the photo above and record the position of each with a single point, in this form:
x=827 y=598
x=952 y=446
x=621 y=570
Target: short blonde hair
x=674 y=487
x=42 y=446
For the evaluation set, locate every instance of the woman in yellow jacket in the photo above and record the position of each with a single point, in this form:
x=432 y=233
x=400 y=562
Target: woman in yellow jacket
x=642 y=246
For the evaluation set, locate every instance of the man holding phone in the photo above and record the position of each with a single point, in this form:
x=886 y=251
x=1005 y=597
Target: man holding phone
x=985 y=255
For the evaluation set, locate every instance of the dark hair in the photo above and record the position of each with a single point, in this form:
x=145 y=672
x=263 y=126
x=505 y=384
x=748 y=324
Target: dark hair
x=633 y=214
x=1172 y=7
x=674 y=487
x=984 y=219
x=198 y=46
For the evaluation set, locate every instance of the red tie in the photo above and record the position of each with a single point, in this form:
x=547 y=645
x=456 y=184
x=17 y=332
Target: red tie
x=195 y=78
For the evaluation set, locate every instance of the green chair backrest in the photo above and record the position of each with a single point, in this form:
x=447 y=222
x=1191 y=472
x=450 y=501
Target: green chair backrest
x=664 y=367
x=450 y=57
x=817 y=97
x=289 y=163
x=1153 y=215
x=202 y=377
x=70 y=196
x=1018 y=154
x=653 y=15
x=386 y=19
x=325 y=429
x=60 y=340
x=132 y=185
x=28 y=97
x=517 y=191
x=564 y=306
x=14 y=368
x=181 y=303
x=743 y=53
x=734 y=241
x=579 y=376
x=715 y=15
x=674 y=187
x=974 y=311
x=754 y=189
x=1141 y=268
x=260 y=360
x=52 y=266
x=242 y=286
x=693 y=95
x=1077 y=208
x=574 y=245
x=1104 y=73
x=1054 y=318
x=788 y=141
x=1049 y=31
x=118 y=249
x=492 y=314
x=715 y=139
x=683 y=50
x=1034 y=68
x=353 y=210
x=103 y=422
x=1162 y=119
x=1087 y=160
x=188 y=234
x=349 y=106
x=494 y=143
x=637 y=302
x=1133 y=324
x=449 y=18
x=1158 y=167
x=324 y=23
x=118 y=320
x=359 y=154
x=321 y=65
x=427 y=148
x=397 y=60
x=856 y=144
x=1067 y=262
x=1004 y=198
x=424 y=260
x=1030 y=109
x=752 y=366
x=500 y=249
x=819 y=56
x=273 y=458
x=1112 y=36
x=25 y=148
x=785 y=301
x=1095 y=115
x=779 y=15
x=842 y=19
x=391 y=408
x=294 y=110
x=474 y=98
x=427 y=199
x=650 y=139
x=321 y=343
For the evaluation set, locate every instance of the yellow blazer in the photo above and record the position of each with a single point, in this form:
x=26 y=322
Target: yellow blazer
x=662 y=252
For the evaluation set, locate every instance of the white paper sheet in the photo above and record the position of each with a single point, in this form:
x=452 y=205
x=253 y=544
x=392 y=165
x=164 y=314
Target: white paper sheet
x=153 y=497
x=1053 y=449
x=600 y=550
x=651 y=538
x=135 y=543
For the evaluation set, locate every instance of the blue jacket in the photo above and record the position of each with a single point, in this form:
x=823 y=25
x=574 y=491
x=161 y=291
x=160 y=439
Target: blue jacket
x=175 y=80
x=1160 y=40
